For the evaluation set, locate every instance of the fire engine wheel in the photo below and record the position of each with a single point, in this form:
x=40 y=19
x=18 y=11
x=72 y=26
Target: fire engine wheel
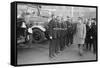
x=38 y=35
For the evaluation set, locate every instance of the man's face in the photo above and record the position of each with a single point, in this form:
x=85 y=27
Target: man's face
x=79 y=20
x=92 y=20
x=89 y=23
x=68 y=19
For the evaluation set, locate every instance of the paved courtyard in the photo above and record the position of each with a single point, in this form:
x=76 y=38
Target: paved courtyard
x=39 y=53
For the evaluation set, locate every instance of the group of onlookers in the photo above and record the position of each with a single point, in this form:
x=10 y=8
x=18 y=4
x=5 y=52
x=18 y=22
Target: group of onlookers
x=91 y=35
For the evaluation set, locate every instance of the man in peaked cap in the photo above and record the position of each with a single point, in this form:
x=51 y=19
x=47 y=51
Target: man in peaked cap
x=53 y=37
x=57 y=48
x=62 y=33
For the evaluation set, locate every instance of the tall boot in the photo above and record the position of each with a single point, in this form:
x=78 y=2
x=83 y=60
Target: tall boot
x=80 y=50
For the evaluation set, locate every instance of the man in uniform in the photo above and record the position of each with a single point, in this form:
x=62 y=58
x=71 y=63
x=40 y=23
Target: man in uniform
x=53 y=37
x=57 y=48
x=50 y=31
x=68 y=32
x=62 y=35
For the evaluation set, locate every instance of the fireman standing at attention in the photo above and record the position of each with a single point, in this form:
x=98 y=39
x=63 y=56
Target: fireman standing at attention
x=53 y=36
x=57 y=45
x=62 y=33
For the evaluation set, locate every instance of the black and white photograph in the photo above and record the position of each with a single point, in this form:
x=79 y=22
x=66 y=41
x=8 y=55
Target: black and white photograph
x=47 y=33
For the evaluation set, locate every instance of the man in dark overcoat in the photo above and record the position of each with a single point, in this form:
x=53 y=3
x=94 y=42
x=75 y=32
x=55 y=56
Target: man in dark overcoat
x=93 y=36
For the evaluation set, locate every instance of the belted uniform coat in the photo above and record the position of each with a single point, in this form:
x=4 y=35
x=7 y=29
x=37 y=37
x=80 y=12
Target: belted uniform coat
x=79 y=36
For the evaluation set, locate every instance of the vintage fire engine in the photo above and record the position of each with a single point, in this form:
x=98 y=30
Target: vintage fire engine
x=37 y=21
x=38 y=28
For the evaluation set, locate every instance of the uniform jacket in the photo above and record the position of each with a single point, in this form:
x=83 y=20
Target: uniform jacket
x=52 y=32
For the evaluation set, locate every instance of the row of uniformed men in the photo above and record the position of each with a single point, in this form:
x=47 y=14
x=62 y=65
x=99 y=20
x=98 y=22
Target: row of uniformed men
x=60 y=33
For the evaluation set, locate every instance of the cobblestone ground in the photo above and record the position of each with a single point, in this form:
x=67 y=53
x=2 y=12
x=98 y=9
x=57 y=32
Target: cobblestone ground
x=39 y=53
